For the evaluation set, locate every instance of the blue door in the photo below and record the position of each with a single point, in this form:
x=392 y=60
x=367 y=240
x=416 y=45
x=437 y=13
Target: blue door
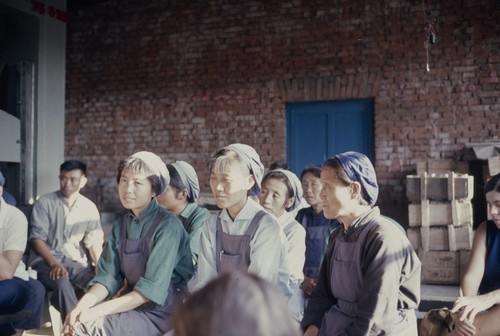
x=319 y=130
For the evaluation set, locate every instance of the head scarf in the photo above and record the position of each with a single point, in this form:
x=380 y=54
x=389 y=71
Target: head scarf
x=296 y=186
x=359 y=169
x=189 y=178
x=2 y=180
x=155 y=164
x=252 y=160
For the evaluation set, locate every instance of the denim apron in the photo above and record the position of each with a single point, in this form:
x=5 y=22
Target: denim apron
x=150 y=318
x=346 y=278
x=233 y=251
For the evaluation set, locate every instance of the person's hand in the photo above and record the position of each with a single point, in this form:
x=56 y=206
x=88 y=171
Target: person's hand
x=470 y=306
x=71 y=320
x=308 y=285
x=463 y=328
x=312 y=330
x=58 y=271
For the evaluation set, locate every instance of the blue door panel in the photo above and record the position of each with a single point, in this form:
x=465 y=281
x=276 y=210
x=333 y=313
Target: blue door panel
x=316 y=131
x=309 y=147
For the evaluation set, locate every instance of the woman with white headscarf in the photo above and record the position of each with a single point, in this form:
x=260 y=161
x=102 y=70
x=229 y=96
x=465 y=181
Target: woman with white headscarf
x=145 y=264
x=369 y=282
x=242 y=236
x=282 y=193
x=181 y=198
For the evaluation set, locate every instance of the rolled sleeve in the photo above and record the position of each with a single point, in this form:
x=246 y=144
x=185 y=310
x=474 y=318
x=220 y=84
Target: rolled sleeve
x=39 y=227
x=207 y=262
x=108 y=266
x=15 y=228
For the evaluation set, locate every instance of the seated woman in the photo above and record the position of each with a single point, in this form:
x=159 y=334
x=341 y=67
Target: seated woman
x=478 y=307
x=281 y=193
x=235 y=304
x=369 y=283
x=147 y=250
x=180 y=199
x=242 y=236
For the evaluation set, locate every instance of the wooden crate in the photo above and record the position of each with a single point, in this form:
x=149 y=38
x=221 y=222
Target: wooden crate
x=442 y=187
x=429 y=213
x=443 y=267
x=494 y=165
x=441 y=166
x=441 y=238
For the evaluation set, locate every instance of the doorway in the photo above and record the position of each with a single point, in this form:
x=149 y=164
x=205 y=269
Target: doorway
x=319 y=130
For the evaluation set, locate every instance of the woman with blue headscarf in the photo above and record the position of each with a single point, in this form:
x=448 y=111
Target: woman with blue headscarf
x=180 y=199
x=369 y=283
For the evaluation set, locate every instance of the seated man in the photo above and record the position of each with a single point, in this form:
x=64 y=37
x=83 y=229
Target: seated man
x=66 y=230
x=17 y=291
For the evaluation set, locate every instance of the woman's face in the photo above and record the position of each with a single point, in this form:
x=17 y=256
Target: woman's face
x=336 y=196
x=493 y=200
x=274 y=197
x=170 y=199
x=231 y=186
x=135 y=191
x=312 y=188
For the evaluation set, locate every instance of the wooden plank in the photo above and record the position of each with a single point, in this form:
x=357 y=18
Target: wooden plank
x=435 y=238
x=445 y=187
x=429 y=213
x=434 y=166
x=440 y=267
x=494 y=165
x=414 y=237
x=441 y=238
x=460 y=237
x=440 y=166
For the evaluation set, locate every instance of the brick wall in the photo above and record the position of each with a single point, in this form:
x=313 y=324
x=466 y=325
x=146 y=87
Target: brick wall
x=183 y=78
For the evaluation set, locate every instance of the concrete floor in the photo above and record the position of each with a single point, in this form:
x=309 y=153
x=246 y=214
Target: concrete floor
x=432 y=296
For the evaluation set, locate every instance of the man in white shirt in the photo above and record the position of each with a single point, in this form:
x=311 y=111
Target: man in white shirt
x=65 y=231
x=17 y=290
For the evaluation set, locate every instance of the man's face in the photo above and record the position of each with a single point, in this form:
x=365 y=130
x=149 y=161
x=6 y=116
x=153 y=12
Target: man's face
x=71 y=182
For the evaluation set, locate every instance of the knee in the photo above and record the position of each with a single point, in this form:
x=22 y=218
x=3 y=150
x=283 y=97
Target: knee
x=63 y=284
x=13 y=293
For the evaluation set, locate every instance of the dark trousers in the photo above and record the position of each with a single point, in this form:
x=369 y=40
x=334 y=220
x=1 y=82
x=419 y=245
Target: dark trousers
x=35 y=305
x=63 y=296
x=14 y=293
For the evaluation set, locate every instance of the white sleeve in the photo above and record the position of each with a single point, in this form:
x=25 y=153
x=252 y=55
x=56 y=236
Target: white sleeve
x=207 y=262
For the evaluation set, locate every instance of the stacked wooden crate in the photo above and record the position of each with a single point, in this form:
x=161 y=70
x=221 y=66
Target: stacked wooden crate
x=440 y=221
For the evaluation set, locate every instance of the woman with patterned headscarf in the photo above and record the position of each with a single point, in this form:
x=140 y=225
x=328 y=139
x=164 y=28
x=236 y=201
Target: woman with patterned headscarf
x=369 y=282
x=146 y=261
x=180 y=199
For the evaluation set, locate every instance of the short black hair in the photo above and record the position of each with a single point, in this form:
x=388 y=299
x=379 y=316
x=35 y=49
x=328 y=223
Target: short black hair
x=280 y=164
x=316 y=171
x=72 y=165
x=493 y=184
